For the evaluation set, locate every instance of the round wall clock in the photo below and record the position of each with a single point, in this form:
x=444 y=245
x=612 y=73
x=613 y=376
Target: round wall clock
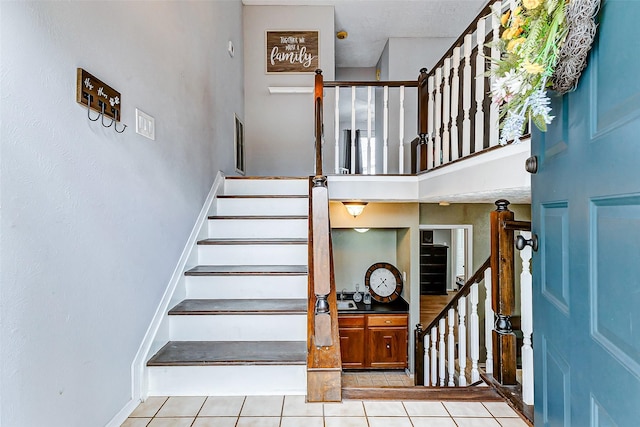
x=384 y=281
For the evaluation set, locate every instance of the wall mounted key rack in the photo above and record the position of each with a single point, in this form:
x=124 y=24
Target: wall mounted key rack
x=100 y=97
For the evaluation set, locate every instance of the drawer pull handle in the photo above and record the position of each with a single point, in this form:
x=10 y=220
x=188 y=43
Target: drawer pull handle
x=387 y=321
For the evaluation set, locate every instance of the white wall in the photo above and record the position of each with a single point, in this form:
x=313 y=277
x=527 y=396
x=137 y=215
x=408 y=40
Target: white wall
x=93 y=222
x=285 y=121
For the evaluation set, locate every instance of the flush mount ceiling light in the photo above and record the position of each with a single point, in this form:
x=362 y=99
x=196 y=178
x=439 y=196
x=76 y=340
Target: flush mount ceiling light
x=361 y=230
x=341 y=35
x=444 y=203
x=354 y=208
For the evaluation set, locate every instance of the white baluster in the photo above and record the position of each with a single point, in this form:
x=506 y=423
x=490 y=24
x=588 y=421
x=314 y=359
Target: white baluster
x=365 y=158
x=480 y=90
x=427 y=365
x=526 y=295
x=488 y=322
x=474 y=333
x=466 y=96
x=455 y=91
x=430 y=124
x=494 y=131
x=336 y=122
x=441 y=352
x=451 y=347
x=385 y=127
x=434 y=356
x=401 y=147
x=353 y=129
x=446 y=111
x=437 y=161
x=462 y=341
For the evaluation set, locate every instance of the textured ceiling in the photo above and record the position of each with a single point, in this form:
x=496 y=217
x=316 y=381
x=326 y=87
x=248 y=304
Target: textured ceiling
x=370 y=23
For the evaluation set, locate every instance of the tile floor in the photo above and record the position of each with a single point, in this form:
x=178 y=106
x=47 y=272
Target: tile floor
x=293 y=411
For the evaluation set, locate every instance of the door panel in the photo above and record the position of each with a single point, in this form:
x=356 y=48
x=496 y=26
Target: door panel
x=586 y=212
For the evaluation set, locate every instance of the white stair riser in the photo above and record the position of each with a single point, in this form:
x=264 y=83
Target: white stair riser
x=242 y=287
x=232 y=327
x=299 y=187
x=258 y=228
x=262 y=207
x=251 y=380
x=294 y=254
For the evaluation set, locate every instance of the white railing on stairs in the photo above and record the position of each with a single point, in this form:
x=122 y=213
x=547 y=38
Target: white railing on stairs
x=440 y=355
x=526 y=310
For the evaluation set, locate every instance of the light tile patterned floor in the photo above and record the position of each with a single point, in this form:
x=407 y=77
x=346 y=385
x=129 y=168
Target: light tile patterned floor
x=293 y=411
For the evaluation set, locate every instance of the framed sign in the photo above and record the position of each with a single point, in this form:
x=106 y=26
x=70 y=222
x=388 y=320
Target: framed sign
x=291 y=51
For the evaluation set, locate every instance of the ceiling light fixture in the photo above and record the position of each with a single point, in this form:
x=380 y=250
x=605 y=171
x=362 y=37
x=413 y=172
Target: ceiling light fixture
x=444 y=203
x=354 y=208
x=341 y=35
x=361 y=230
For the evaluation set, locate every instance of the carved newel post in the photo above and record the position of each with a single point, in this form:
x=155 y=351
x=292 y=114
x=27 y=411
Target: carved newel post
x=503 y=298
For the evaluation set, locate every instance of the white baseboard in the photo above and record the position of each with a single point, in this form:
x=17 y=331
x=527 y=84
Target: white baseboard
x=124 y=413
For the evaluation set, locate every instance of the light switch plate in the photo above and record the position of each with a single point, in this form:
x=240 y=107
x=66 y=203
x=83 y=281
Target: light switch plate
x=145 y=125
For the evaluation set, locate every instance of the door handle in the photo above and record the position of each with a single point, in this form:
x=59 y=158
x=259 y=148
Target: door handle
x=521 y=242
x=531 y=165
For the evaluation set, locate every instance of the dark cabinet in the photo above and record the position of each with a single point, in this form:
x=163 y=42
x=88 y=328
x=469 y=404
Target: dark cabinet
x=387 y=341
x=433 y=269
x=374 y=341
x=352 y=340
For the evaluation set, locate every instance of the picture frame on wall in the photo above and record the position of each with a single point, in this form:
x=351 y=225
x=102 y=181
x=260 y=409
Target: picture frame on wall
x=292 y=51
x=238 y=145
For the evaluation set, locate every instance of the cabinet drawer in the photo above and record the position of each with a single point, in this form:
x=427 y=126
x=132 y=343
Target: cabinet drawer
x=351 y=320
x=387 y=320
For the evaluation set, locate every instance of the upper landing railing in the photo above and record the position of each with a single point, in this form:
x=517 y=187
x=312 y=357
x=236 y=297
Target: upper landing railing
x=455 y=115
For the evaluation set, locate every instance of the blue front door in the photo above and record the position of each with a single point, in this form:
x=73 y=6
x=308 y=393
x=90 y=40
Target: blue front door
x=586 y=212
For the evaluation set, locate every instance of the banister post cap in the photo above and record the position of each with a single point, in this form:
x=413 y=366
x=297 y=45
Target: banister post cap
x=423 y=70
x=318 y=71
x=502 y=205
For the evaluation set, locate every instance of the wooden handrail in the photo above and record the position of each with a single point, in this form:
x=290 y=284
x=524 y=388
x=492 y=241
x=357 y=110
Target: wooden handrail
x=324 y=363
x=464 y=291
x=470 y=29
x=420 y=333
x=377 y=83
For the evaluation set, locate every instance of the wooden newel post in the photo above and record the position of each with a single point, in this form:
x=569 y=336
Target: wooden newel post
x=418 y=355
x=503 y=295
x=423 y=115
x=318 y=103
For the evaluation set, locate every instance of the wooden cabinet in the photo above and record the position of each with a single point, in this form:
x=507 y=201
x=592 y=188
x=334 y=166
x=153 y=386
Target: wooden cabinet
x=352 y=340
x=433 y=269
x=374 y=340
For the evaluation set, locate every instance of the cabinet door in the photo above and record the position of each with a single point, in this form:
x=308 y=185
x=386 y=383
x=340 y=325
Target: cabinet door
x=387 y=347
x=352 y=347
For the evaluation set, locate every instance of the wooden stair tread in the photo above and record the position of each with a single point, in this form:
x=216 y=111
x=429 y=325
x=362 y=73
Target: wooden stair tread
x=248 y=270
x=254 y=217
x=254 y=241
x=262 y=196
x=240 y=306
x=202 y=353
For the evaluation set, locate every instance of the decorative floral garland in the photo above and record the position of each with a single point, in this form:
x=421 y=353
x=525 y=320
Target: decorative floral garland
x=531 y=46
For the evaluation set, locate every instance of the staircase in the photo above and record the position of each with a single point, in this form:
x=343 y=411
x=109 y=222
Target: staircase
x=242 y=327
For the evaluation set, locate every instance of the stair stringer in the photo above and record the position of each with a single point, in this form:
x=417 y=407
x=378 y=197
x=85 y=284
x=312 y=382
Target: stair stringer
x=158 y=332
